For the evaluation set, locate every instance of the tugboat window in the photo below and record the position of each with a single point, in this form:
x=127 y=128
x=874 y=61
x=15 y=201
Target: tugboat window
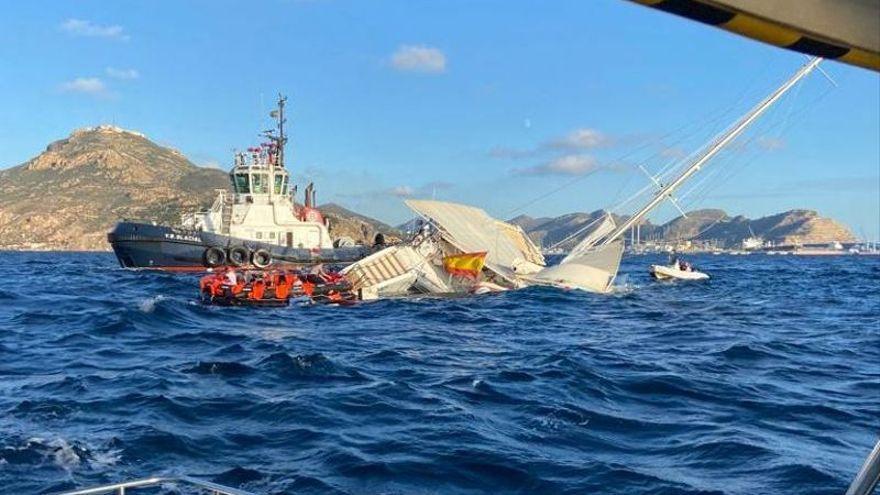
x=260 y=184
x=259 y=235
x=279 y=181
x=271 y=235
x=242 y=184
x=256 y=184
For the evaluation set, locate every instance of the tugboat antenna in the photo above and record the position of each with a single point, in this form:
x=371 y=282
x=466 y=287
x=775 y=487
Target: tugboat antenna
x=282 y=139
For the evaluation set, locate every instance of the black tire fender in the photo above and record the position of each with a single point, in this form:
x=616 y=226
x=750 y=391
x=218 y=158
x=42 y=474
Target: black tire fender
x=261 y=258
x=214 y=256
x=238 y=255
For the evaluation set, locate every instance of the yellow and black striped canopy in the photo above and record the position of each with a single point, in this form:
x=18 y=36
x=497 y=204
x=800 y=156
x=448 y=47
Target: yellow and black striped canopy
x=844 y=30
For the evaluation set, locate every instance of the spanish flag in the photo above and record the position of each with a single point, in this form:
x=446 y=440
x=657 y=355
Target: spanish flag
x=465 y=265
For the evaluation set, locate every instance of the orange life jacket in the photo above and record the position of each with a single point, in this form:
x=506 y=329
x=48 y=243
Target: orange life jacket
x=258 y=288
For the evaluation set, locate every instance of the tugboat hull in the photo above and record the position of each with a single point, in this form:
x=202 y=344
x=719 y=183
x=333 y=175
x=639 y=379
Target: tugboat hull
x=160 y=247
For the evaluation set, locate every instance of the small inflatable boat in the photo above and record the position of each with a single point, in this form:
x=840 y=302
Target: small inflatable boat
x=274 y=288
x=676 y=271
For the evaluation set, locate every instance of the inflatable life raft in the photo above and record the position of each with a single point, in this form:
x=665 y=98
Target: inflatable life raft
x=273 y=288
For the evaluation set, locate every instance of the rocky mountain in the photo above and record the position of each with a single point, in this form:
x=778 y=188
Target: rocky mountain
x=790 y=227
x=70 y=195
x=528 y=223
x=567 y=228
x=346 y=223
x=696 y=225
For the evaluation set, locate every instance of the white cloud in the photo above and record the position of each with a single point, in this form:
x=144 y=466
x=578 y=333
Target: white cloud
x=79 y=27
x=577 y=140
x=85 y=85
x=564 y=165
x=419 y=58
x=122 y=73
x=583 y=138
x=425 y=190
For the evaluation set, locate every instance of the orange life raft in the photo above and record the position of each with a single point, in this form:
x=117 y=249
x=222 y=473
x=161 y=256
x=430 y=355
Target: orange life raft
x=273 y=288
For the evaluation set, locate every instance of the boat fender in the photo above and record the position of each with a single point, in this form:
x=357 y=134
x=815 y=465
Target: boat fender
x=238 y=255
x=214 y=256
x=261 y=258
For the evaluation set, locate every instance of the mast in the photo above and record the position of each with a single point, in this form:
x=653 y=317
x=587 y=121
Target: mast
x=713 y=150
x=280 y=140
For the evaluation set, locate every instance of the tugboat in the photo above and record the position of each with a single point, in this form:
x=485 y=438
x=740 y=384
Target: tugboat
x=258 y=225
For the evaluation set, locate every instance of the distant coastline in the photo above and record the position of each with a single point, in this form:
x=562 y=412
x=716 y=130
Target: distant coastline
x=104 y=174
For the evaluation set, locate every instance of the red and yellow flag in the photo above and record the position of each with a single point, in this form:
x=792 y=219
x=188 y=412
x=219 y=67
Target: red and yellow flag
x=465 y=264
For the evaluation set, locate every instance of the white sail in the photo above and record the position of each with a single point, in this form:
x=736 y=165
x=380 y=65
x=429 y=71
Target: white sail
x=470 y=230
x=604 y=228
x=592 y=269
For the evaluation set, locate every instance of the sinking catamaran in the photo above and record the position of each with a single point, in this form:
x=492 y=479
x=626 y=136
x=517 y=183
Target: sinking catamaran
x=511 y=259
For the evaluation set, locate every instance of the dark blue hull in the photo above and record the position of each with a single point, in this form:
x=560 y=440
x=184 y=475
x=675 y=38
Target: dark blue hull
x=144 y=245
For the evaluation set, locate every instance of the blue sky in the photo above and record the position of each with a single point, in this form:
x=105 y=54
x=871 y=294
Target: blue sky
x=494 y=103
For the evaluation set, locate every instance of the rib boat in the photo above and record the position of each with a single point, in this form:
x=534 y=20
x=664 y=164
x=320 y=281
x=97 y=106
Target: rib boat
x=674 y=272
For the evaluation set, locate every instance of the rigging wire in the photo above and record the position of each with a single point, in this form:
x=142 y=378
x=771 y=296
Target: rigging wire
x=669 y=168
x=710 y=118
x=784 y=125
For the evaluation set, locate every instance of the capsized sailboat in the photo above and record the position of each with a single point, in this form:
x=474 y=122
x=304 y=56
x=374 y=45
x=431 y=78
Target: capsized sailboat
x=512 y=260
x=450 y=229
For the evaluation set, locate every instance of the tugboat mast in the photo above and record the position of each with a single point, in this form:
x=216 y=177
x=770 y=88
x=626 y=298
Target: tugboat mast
x=280 y=140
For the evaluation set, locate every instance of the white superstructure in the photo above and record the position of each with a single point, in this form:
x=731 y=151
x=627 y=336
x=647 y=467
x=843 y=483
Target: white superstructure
x=261 y=206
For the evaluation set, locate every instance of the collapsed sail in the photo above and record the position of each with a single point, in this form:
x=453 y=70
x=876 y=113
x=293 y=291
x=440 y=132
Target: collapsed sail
x=603 y=229
x=588 y=266
x=470 y=229
x=592 y=269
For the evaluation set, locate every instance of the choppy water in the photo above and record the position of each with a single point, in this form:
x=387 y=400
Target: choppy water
x=764 y=380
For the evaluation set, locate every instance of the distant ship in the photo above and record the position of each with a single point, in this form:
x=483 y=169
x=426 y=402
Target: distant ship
x=258 y=224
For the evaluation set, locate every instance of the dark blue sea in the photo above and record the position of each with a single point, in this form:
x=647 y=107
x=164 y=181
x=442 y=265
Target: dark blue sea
x=765 y=379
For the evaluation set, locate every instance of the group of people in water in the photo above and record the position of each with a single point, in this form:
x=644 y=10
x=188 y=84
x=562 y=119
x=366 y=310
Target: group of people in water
x=231 y=286
x=232 y=277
